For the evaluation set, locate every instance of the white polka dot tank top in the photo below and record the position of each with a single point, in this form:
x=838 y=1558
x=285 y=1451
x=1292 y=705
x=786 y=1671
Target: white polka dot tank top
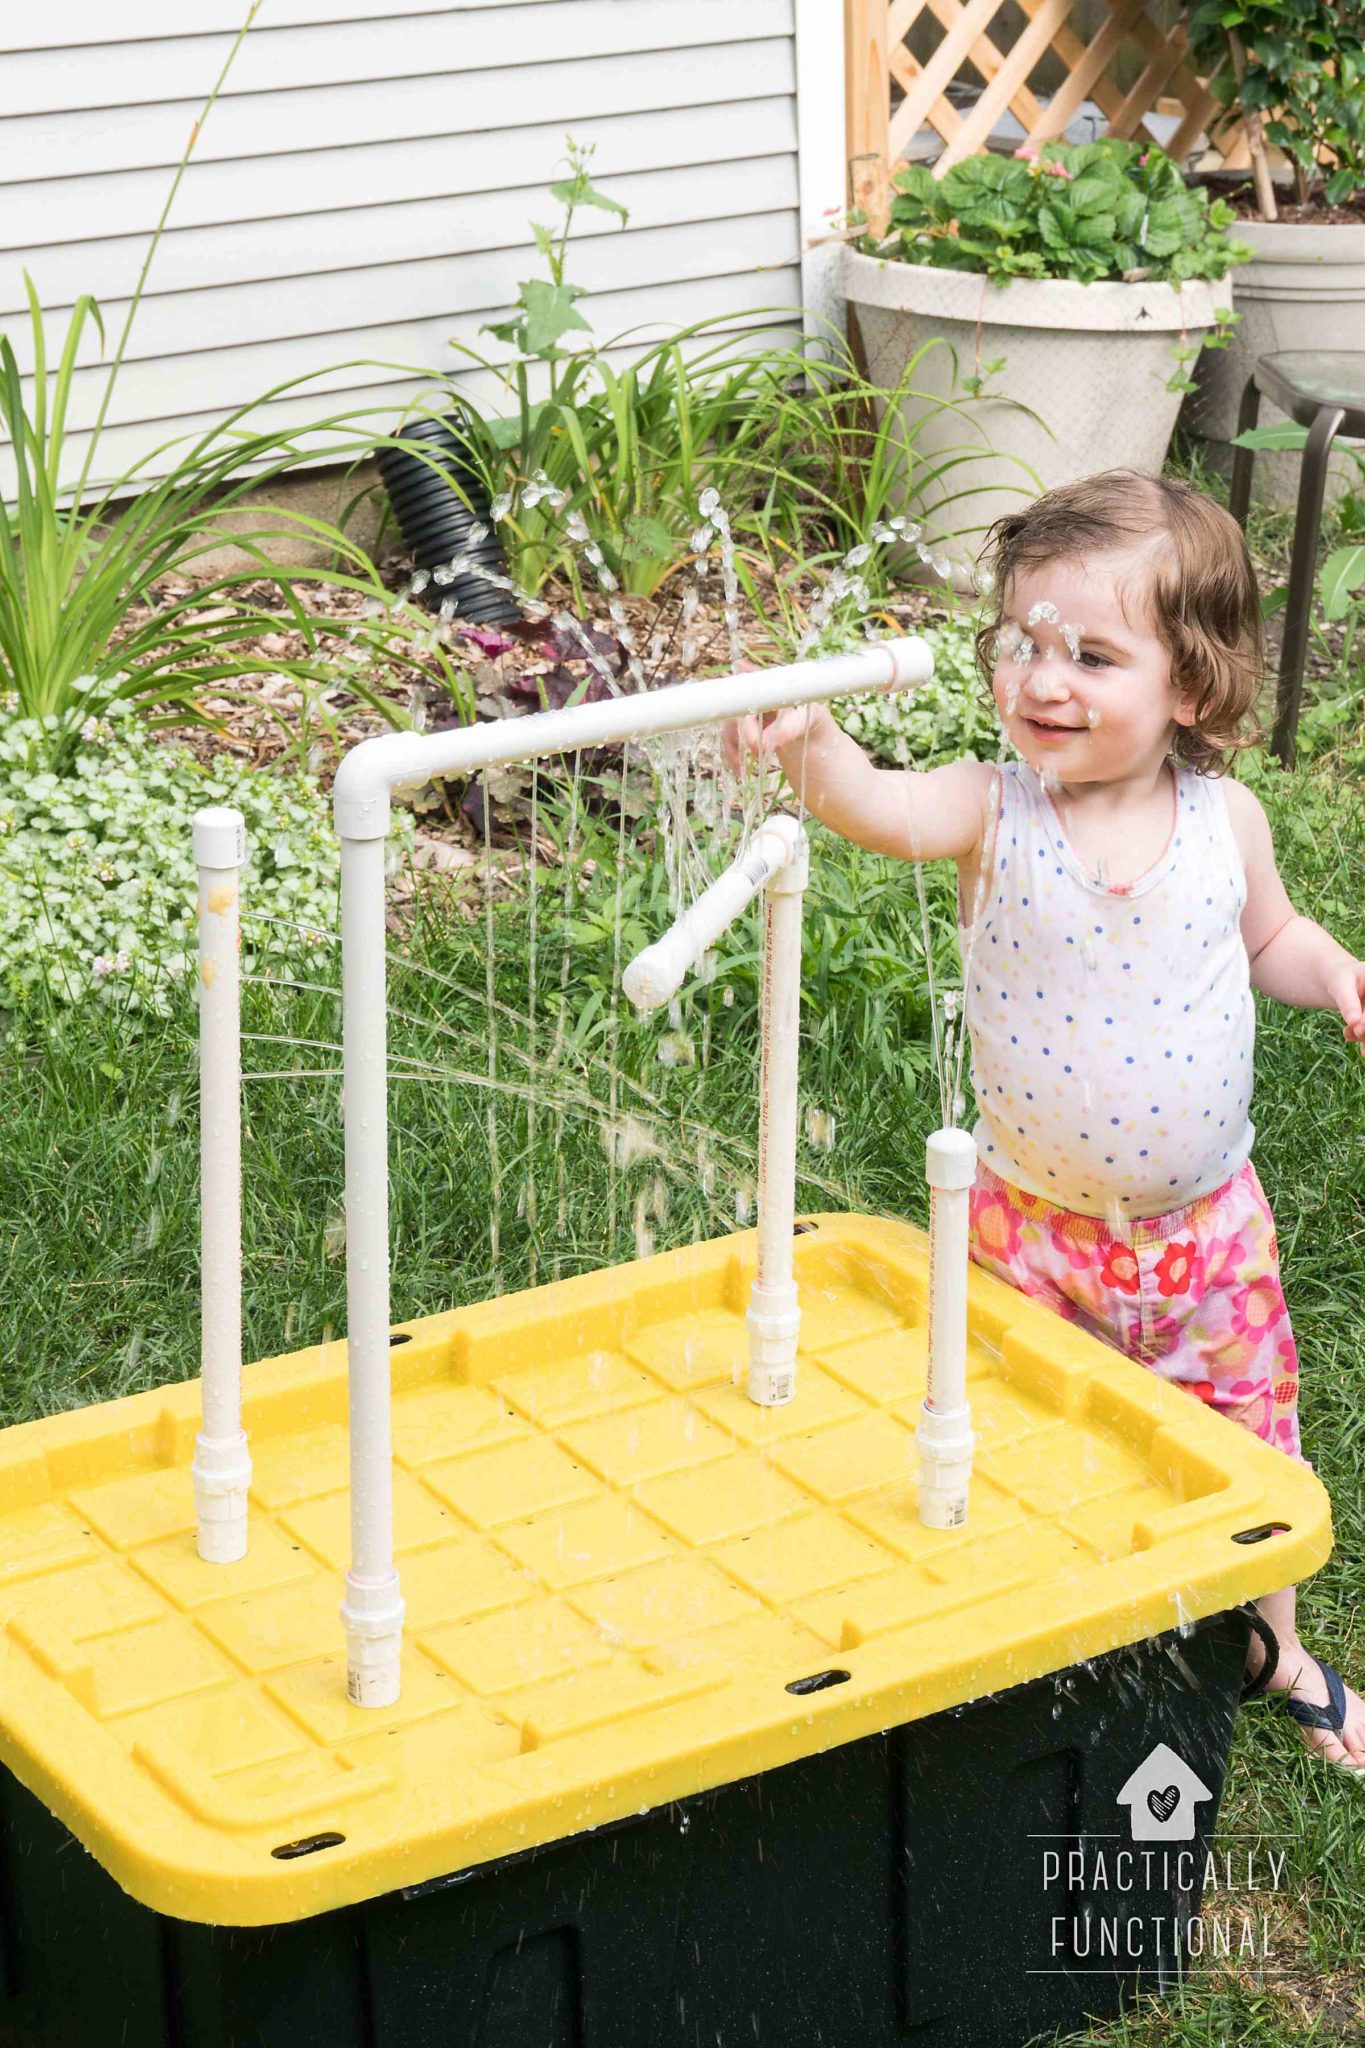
x=1111 y=1028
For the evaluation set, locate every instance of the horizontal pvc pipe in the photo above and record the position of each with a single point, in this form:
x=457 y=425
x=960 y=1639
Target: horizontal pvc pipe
x=373 y=1608
x=657 y=973
x=944 y=1437
x=373 y=770
x=221 y=1470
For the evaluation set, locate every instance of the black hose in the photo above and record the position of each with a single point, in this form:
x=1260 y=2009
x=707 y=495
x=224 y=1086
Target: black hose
x=1269 y=1642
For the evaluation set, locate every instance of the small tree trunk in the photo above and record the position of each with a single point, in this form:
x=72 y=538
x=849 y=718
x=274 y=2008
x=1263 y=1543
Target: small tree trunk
x=1260 y=164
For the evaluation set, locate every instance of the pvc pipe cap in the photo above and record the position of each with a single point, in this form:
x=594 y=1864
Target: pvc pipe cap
x=950 y=1159
x=219 y=838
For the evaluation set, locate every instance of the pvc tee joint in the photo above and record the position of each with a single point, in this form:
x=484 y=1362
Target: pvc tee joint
x=656 y=974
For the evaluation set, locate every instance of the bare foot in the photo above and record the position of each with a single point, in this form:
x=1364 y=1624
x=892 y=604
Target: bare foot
x=1298 y=1674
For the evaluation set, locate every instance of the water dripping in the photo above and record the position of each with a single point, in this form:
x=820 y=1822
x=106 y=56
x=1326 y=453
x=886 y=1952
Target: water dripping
x=819 y=1130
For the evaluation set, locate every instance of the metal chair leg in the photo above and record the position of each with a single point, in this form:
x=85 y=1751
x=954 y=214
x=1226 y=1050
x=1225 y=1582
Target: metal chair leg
x=1303 y=560
x=1239 y=497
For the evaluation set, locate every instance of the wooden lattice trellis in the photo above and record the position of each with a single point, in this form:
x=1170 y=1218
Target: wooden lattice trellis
x=878 y=57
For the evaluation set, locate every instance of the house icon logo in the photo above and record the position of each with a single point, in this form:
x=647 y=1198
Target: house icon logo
x=1162 y=1797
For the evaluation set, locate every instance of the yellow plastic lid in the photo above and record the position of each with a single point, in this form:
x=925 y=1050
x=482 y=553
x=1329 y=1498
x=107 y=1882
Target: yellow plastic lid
x=615 y=1567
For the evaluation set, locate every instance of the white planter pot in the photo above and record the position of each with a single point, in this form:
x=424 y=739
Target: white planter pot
x=1090 y=362
x=1305 y=289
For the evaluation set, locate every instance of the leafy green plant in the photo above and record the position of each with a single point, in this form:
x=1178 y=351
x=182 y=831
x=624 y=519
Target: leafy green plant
x=1097 y=210
x=625 y=451
x=97 y=875
x=82 y=626
x=1335 y=720
x=1294 y=71
x=951 y=715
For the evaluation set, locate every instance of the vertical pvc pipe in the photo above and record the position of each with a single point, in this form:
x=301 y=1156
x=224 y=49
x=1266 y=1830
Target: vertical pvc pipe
x=774 y=1314
x=944 y=1436
x=222 y=1468
x=372 y=1610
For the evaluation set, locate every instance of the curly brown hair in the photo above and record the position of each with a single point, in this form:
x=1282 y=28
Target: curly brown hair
x=1199 y=591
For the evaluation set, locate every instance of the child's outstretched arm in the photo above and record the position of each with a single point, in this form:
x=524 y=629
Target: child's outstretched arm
x=1292 y=958
x=938 y=815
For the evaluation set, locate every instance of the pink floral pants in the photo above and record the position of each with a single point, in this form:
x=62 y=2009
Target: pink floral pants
x=1195 y=1295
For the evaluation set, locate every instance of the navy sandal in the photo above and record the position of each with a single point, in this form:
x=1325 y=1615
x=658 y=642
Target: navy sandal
x=1331 y=1718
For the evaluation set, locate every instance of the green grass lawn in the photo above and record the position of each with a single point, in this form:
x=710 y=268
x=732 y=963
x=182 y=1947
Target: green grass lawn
x=98 y=1214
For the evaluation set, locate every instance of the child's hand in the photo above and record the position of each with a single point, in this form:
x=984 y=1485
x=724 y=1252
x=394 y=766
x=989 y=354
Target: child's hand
x=1347 y=991
x=764 y=737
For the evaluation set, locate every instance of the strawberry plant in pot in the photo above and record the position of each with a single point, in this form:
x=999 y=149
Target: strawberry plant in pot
x=1069 y=288
x=1291 y=74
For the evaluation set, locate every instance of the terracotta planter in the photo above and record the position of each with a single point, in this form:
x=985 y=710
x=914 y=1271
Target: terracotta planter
x=1082 y=388
x=1305 y=289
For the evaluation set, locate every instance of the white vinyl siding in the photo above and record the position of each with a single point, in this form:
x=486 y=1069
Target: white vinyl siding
x=359 y=196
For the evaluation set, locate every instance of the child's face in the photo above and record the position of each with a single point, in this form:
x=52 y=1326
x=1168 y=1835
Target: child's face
x=1093 y=701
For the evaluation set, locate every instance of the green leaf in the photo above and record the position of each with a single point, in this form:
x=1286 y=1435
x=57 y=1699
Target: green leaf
x=647 y=540
x=1284 y=434
x=1343 y=573
x=549 y=312
x=918 y=185
x=580 y=191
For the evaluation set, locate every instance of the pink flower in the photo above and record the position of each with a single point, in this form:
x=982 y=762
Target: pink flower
x=1053 y=170
x=1078 y=1255
x=1255 y=1413
x=1257 y=1309
x=995 y=1226
x=1027 y=150
x=1222 y=1258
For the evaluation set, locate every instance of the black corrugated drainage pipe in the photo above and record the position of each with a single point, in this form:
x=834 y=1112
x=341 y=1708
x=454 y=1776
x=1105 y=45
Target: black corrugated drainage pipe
x=435 y=522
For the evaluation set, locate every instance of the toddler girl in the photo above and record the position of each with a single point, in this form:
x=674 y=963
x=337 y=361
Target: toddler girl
x=1118 y=902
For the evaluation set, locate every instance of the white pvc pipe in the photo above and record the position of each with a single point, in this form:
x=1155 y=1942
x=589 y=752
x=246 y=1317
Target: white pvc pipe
x=773 y=1318
x=777 y=860
x=373 y=1610
x=657 y=973
x=398 y=760
x=945 y=1437
x=221 y=1470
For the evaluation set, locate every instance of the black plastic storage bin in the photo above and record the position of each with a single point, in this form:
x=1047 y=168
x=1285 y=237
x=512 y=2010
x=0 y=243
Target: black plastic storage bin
x=889 y=1891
